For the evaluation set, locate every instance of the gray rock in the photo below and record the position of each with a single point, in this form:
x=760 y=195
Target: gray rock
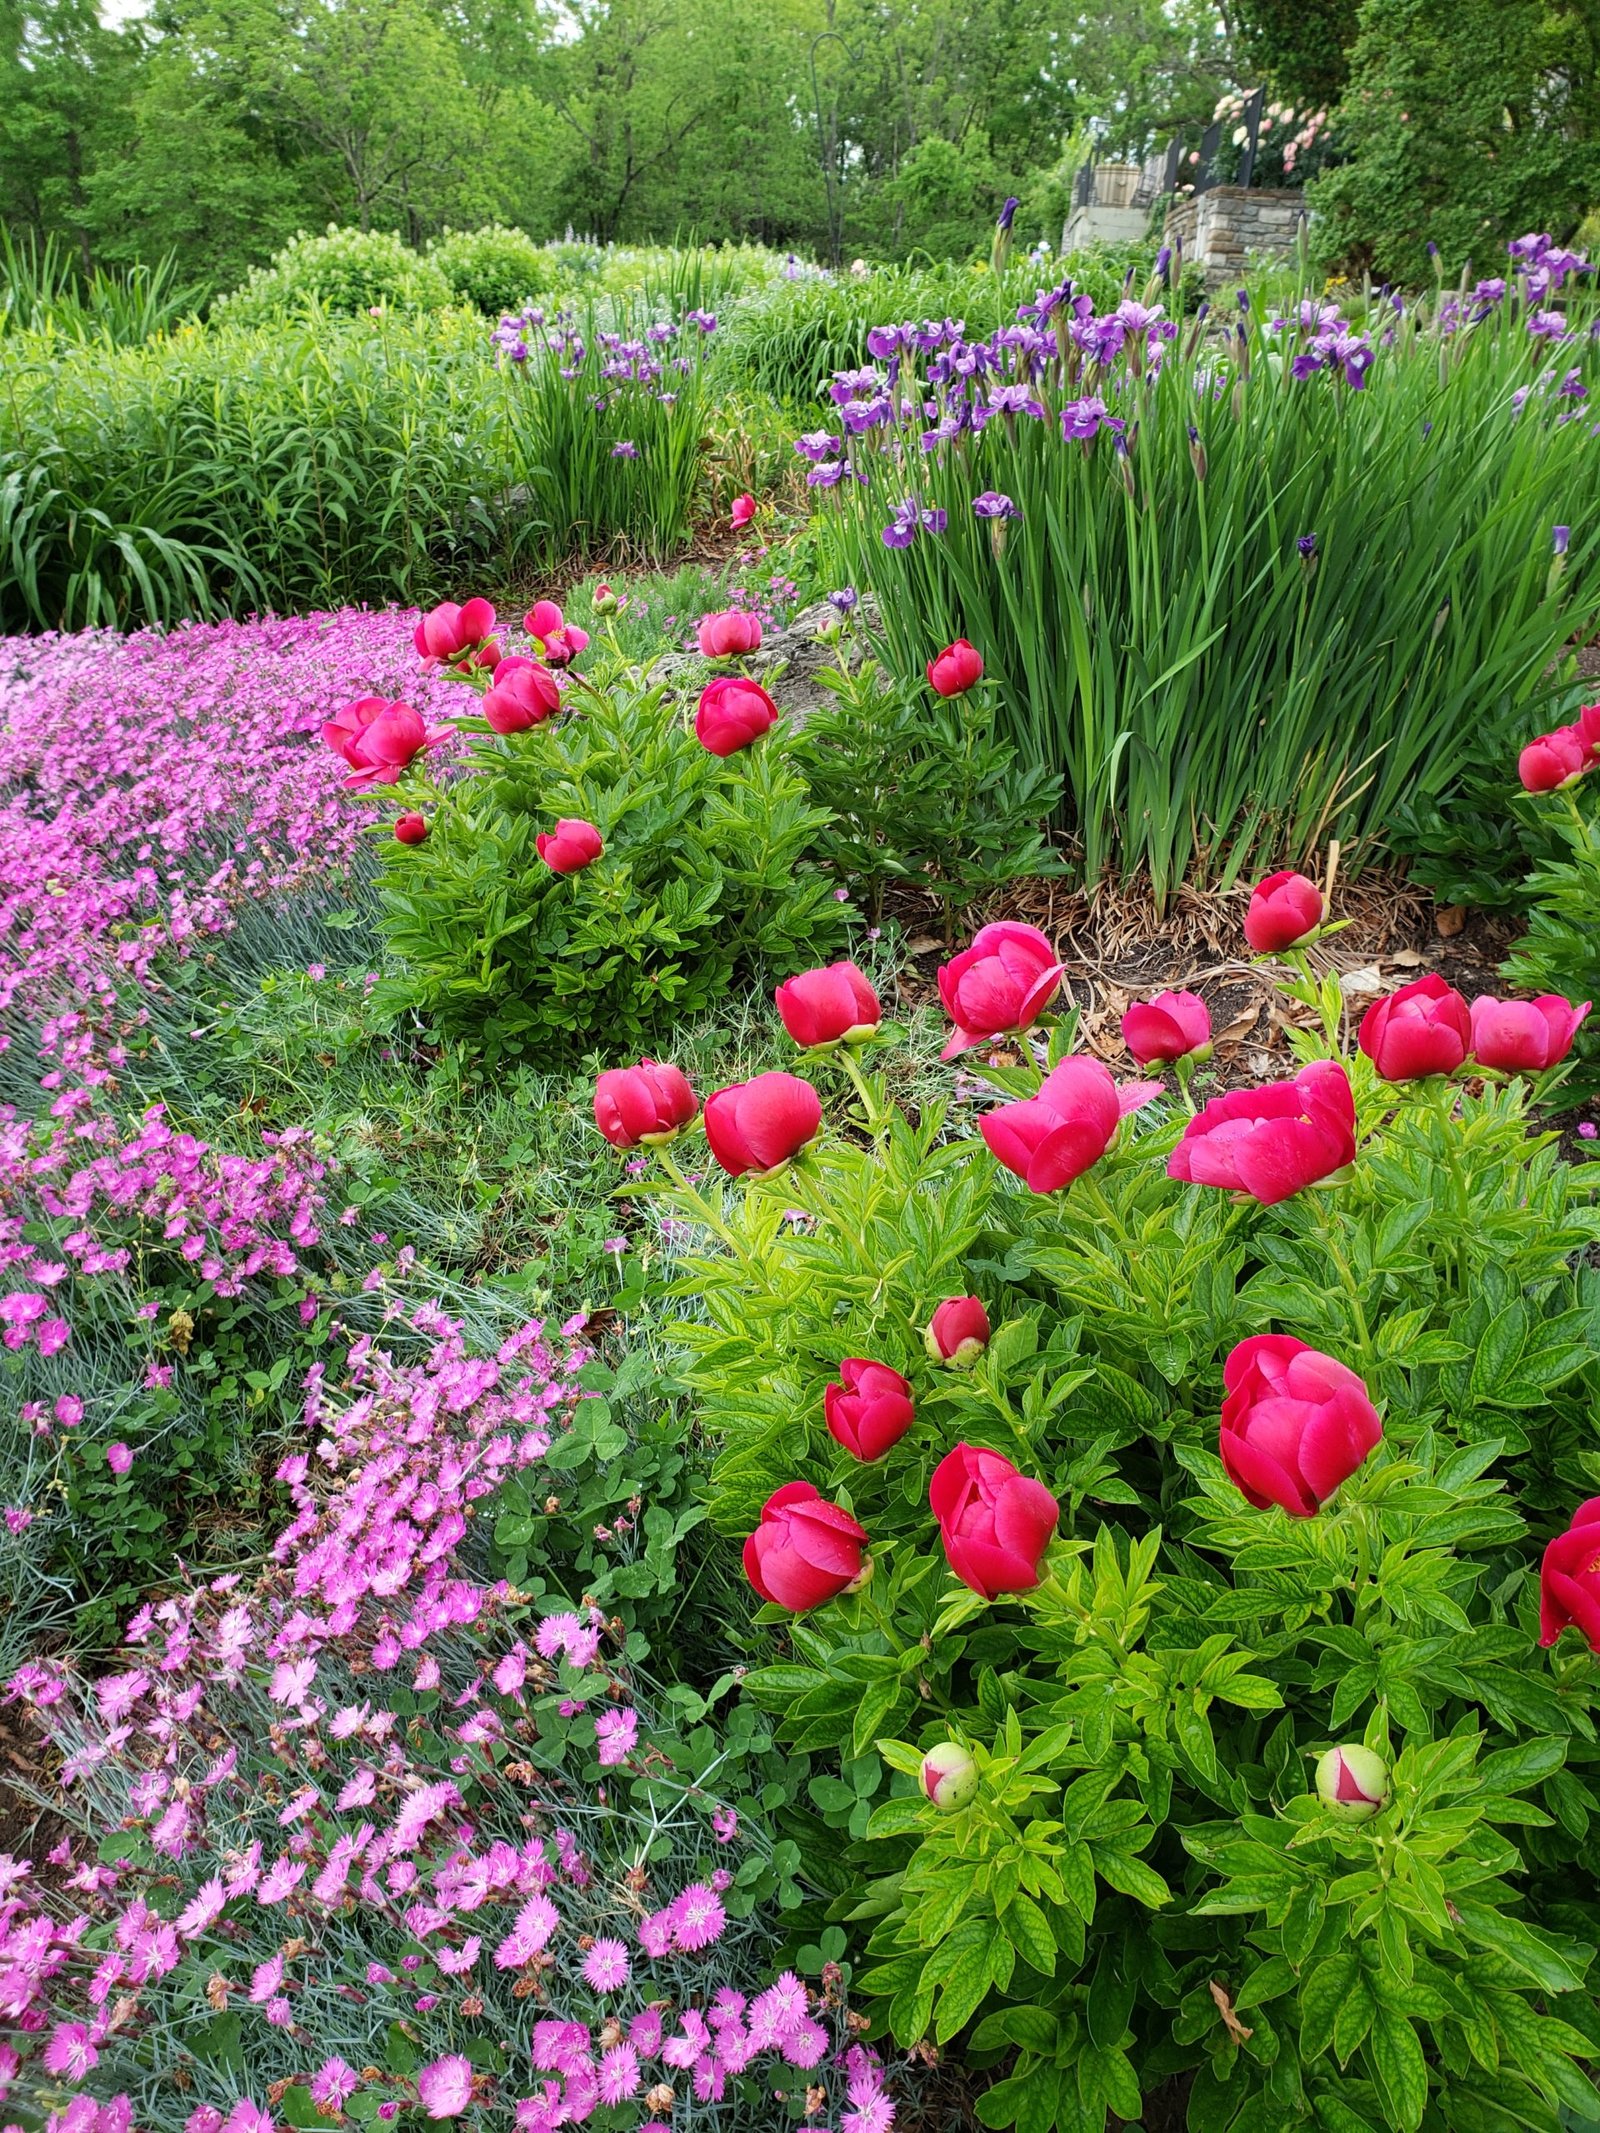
x=798 y=651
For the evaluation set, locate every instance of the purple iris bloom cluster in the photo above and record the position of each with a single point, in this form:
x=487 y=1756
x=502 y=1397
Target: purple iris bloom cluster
x=1335 y=349
x=629 y=360
x=1544 y=266
x=909 y=520
x=624 y=361
x=927 y=376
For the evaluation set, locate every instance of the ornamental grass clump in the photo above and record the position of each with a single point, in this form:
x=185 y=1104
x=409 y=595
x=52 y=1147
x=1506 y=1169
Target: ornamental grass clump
x=369 y=1836
x=1166 y=1682
x=242 y=470
x=1559 y=953
x=1248 y=581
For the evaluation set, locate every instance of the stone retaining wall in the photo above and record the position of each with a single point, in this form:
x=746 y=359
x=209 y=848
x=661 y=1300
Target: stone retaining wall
x=1221 y=230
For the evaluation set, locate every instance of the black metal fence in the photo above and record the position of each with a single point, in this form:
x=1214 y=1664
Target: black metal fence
x=1160 y=173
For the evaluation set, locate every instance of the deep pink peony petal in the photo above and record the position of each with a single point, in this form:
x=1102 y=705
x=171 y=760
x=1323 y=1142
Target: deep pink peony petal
x=1013 y=1132
x=1263 y=1480
x=1336 y=1440
x=1065 y=1154
x=1282 y=1157
x=1025 y=1516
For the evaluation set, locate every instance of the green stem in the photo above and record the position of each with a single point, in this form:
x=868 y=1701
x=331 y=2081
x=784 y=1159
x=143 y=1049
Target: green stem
x=1095 y=1192
x=1351 y=1287
x=1443 y=1098
x=876 y=1118
x=701 y=1206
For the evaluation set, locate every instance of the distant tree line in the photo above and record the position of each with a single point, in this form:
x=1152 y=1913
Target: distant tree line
x=214 y=129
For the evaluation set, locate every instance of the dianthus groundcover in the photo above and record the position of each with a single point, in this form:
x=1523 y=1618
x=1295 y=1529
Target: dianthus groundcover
x=156 y=784
x=1070 y=1788
x=370 y=1835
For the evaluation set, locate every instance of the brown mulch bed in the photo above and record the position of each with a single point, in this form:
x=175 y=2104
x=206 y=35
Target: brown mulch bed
x=1117 y=950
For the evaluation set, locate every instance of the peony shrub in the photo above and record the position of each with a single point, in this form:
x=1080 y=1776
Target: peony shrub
x=1225 y=1561
x=1558 y=955
x=612 y=863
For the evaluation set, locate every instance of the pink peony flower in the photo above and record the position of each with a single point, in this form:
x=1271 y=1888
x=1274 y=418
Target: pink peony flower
x=729 y=633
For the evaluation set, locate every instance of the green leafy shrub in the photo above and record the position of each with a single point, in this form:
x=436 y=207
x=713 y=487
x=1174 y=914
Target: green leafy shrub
x=1457 y=122
x=706 y=875
x=1145 y=1896
x=296 y=466
x=920 y=790
x=493 y=269
x=344 y=271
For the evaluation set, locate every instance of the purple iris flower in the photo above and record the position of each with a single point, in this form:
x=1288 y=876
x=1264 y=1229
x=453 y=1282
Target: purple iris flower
x=1163 y=262
x=625 y=448
x=1008 y=213
x=932 y=333
x=1356 y=356
x=1084 y=419
x=1307 y=545
x=819 y=444
x=1100 y=338
x=1138 y=318
x=1015 y=400
x=1559 y=537
x=884 y=341
x=843 y=602
x=1548 y=325
x=1047 y=302
x=862 y=415
x=826 y=474
x=968 y=359
x=854 y=384
x=902 y=529
x=1491 y=290
x=1572 y=387
x=935 y=521
x=991 y=504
